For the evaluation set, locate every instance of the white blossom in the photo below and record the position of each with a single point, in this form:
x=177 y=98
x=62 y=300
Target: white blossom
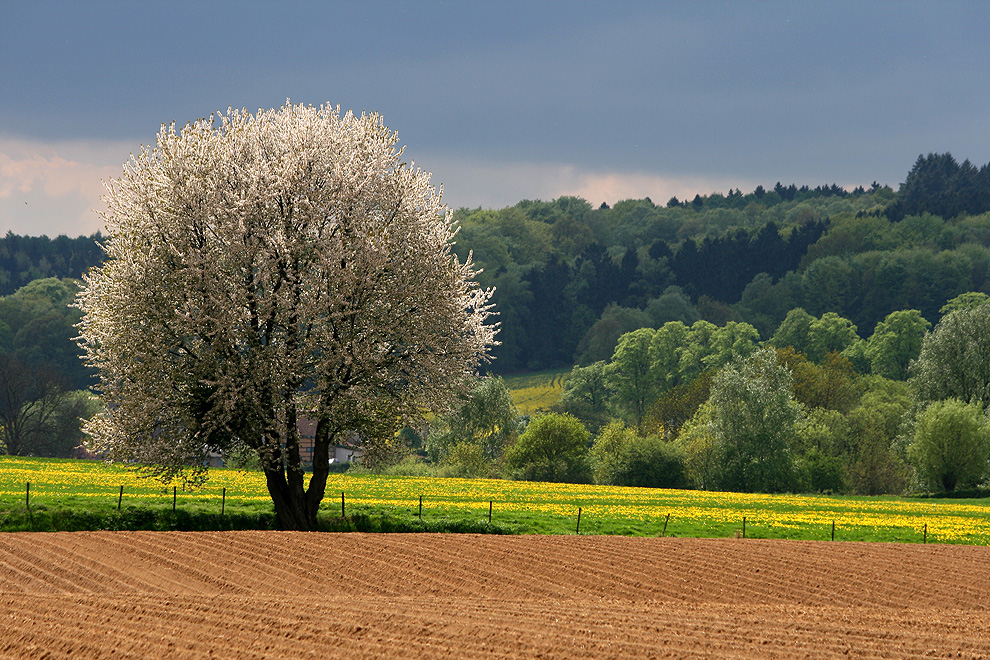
x=264 y=267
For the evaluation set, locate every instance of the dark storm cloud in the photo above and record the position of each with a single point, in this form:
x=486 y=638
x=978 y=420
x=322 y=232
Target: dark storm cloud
x=748 y=91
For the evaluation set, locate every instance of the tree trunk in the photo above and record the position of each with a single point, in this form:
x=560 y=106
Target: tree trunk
x=321 y=467
x=284 y=477
x=295 y=508
x=290 y=511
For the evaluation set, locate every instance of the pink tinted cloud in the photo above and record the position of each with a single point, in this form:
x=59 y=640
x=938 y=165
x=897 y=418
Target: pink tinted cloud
x=25 y=169
x=54 y=188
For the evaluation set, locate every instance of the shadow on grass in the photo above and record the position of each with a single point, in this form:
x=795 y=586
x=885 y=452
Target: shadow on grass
x=45 y=519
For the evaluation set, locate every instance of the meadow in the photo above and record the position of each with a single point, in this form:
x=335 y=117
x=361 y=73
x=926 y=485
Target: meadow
x=61 y=487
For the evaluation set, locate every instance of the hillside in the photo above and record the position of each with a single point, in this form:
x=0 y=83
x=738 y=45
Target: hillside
x=570 y=278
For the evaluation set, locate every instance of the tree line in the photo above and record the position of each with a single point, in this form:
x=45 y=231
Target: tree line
x=570 y=278
x=24 y=259
x=816 y=408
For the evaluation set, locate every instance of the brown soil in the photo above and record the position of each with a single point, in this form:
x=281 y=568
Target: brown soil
x=296 y=595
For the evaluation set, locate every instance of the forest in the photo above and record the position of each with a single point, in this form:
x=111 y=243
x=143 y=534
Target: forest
x=659 y=310
x=570 y=278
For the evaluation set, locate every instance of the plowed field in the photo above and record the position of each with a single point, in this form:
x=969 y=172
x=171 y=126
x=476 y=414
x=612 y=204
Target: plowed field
x=295 y=595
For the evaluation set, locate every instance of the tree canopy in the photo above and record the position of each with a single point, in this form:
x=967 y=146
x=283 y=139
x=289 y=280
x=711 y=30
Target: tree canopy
x=570 y=278
x=954 y=361
x=41 y=373
x=951 y=444
x=486 y=418
x=655 y=299
x=753 y=417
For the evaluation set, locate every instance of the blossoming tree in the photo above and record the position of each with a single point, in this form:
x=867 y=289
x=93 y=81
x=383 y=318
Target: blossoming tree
x=262 y=268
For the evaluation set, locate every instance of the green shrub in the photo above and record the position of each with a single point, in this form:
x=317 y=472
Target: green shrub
x=820 y=473
x=554 y=447
x=607 y=449
x=467 y=459
x=651 y=463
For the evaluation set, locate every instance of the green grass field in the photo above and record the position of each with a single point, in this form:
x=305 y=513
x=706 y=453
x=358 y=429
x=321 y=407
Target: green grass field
x=69 y=494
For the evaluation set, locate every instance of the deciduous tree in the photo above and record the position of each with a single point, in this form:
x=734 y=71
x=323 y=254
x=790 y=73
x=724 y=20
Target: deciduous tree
x=955 y=358
x=487 y=417
x=586 y=395
x=794 y=331
x=951 y=444
x=666 y=347
x=37 y=413
x=650 y=462
x=830 y=333
x=606 y=449
x=895 y=342
x=600 y=340
x=262 y=268
x=876 y=466
x=631 y=375
x=698 y=443
x=830 y=385
x=36 y=327
x=966 y=300
x=675 y=407
x=753 y=416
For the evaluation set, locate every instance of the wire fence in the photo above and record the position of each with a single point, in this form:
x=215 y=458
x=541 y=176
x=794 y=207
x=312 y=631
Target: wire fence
x=593 y=519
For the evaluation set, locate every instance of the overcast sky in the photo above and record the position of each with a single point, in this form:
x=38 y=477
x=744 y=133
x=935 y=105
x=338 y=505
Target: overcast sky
x=503 y=101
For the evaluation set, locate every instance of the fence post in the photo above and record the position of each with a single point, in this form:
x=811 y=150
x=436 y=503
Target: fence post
x=664 y=532
x=744 y=526
x=120 y=497
x=926 y=534
x=27 y=504
x=833 y=530
x=223 y=500
x=175 y=490
x=489 y=512
x=578 y=529
x=342 y=514
x=420 y=507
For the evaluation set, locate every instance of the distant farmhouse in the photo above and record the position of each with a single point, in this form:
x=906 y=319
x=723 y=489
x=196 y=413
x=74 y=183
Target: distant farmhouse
x=344 y=452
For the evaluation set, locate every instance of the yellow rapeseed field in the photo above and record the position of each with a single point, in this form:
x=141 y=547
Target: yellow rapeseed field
x=536 y=392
